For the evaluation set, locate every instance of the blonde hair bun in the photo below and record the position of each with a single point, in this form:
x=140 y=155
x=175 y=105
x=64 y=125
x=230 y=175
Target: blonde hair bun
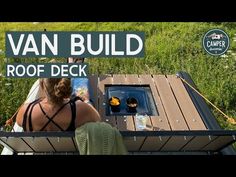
x=63 y=88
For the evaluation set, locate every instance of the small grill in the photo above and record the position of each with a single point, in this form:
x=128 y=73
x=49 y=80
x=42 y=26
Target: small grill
x=132 y=99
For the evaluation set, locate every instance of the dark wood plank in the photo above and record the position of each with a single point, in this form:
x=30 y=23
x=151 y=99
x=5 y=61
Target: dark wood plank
x=160 y=121
x=103 y=80
x=63 y=144
x=119 y=79
x=217 y=143
x=39 y=144
x=132 y=79
x=143 y=81
x=175 y=143
x=198 y=143
x=17 y=144
x=174 y=115
x=154 y=143
x=189 y=111
x=133 y=143
x=125 y=123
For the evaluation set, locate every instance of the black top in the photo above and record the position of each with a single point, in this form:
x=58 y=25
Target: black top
x=28 y=116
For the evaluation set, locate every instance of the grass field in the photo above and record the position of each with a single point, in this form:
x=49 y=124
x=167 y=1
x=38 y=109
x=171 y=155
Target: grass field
x=170 y=47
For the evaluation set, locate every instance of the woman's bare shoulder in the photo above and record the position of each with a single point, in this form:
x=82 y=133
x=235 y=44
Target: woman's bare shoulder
x=20 y=114
x=86 y=113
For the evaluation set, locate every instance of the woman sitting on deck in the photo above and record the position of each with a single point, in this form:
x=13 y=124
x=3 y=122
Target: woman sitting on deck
x=56 y=112
x=60 y=110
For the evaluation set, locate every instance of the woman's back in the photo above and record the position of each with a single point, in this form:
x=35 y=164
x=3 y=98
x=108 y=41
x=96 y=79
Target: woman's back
x=56 y=112
x=46 y=117
x=42 y=116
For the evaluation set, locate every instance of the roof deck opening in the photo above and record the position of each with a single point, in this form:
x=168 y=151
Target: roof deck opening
x=140 y=95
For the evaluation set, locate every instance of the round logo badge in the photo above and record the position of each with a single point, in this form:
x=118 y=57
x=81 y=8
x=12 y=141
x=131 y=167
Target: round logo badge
x=216 y=42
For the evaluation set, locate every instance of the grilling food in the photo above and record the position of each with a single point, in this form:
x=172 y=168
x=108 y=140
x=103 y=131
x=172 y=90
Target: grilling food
x=132 y=103
x=114 y=101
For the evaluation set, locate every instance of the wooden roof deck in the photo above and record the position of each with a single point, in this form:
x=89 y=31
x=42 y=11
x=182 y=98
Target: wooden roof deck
x=179 y=126
x=64 y=142
x=175 y=107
